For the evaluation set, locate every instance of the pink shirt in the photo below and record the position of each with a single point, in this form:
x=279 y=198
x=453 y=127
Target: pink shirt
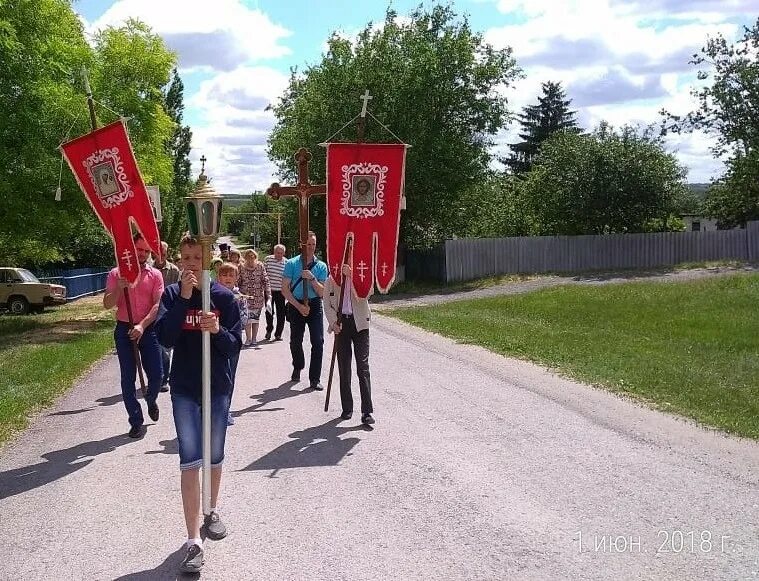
x=146 y=293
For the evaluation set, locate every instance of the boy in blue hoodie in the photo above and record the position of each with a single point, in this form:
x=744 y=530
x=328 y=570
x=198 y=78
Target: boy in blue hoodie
x=180 y=322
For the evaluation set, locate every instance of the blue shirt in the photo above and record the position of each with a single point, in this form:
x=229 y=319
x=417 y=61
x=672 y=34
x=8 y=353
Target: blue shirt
x=293 y=268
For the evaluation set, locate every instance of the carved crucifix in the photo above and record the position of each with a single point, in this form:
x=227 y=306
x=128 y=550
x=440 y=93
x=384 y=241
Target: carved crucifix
x=303 y=190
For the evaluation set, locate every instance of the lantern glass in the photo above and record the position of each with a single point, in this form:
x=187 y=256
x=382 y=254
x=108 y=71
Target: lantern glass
x=207 y=217
x=192 y=218
x=218 y=217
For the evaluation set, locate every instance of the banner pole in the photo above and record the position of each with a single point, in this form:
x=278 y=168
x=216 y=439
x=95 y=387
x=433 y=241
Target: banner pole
x=206 y=386
x=135 y=348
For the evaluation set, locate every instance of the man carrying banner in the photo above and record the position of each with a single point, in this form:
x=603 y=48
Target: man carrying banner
x=352 y=328
x=308 y=282
x=144 y=298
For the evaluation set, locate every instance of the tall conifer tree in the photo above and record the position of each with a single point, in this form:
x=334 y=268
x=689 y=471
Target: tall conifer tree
x=539 y=122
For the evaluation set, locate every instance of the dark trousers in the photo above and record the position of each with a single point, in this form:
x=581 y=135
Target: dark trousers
x=315 y=322
x=360 y=341
x=151 y=355
x=278 y=308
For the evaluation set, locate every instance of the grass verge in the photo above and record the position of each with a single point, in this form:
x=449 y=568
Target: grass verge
x=691 y=348
x=41 y=356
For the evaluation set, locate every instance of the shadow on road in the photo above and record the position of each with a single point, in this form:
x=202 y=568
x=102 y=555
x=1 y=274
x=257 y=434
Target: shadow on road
x=283 y=391
x=57 y=464
x=101 y=401
x=169 y=569
x=316 y=446
x=169 y=447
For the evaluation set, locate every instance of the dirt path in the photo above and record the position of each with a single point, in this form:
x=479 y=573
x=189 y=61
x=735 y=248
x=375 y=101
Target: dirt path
x=540 y=282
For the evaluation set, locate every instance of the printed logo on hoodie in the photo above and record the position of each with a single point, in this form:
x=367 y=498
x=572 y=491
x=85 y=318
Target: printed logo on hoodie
x=192 y=319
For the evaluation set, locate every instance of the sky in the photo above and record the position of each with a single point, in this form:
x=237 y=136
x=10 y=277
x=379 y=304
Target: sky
x=621 y=61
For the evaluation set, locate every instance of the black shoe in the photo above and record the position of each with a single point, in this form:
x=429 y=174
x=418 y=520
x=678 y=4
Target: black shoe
x=165 y=387
x=296 y=375
x=153 y=411
x=317 y=386
x=215 y=529
x=346 y=415
x=277 y=338
x=267 y=337
x=367 y=419
x=137 y=432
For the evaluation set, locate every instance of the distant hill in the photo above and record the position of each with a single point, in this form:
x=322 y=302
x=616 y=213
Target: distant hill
x=235 y=200
x=699 y=190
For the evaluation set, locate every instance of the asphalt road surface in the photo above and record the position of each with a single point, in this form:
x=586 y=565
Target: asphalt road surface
x=479 y=467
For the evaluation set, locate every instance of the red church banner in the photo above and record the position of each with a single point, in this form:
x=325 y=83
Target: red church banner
x=364 y=189
x=106 y=170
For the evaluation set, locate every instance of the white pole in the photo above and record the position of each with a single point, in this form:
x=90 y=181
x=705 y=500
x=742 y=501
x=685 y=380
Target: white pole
x=206 y=399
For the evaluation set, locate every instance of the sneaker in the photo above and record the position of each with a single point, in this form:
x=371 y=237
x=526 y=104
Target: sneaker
x=137 y=432
x=165 y=387
x=346 y=415
x=316 y=385
x=215 y=529
x=267 y=337
x=153 y=411
x=193 y=559
x=277 y=338
x=230 y=419
x=367 y=419
x=296 y=375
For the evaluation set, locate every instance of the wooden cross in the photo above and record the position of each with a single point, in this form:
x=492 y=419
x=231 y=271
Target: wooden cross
x=303 y=190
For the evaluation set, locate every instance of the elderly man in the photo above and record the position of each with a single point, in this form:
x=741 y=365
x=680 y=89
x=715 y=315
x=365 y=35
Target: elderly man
x=171 y=274
x=275 y=266
x=144 y=298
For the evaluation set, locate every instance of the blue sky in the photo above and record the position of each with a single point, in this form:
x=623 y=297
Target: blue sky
x=619 y=60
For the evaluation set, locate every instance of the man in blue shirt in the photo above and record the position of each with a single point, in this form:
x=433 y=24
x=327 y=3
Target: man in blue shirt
x=295 y=281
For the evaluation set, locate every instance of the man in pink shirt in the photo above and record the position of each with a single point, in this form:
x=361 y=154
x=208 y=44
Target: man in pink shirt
x=144 y=298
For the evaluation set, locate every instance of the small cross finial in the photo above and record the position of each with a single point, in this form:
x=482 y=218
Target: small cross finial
x=366 y=97
x=203 y=161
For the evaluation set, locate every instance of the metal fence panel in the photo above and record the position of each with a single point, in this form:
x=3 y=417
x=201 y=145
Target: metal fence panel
x=476 y=258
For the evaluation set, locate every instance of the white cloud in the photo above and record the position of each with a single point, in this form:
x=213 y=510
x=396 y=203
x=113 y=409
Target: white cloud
x=219 y=36
x=236 y=127
x=620 y=61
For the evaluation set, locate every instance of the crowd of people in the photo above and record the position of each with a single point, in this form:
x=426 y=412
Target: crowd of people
x=164 y=338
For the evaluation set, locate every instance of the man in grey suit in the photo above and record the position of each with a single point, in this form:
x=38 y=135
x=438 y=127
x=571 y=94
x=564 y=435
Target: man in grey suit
x=352 y=331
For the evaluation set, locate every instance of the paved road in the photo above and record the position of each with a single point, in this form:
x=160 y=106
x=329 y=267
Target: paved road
x=479 y=467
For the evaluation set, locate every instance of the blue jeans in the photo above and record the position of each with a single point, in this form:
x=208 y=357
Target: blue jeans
x=189 y=424
x=150 y=354
x=315 y=322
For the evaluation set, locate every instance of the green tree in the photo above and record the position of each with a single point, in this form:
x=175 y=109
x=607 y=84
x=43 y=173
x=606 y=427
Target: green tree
x=42 y=52
x=604 y=182
x=42 y=49
x=539 y=122
x=493 y=208
x=728 y=110
x=734 y=199
x=132 y=66
x=435 y=83
x=174 y=221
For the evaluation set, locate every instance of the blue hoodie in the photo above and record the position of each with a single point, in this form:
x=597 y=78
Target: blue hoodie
x=178 y=327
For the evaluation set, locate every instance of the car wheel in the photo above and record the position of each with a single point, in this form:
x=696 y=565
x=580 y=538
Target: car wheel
x=18 y=306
